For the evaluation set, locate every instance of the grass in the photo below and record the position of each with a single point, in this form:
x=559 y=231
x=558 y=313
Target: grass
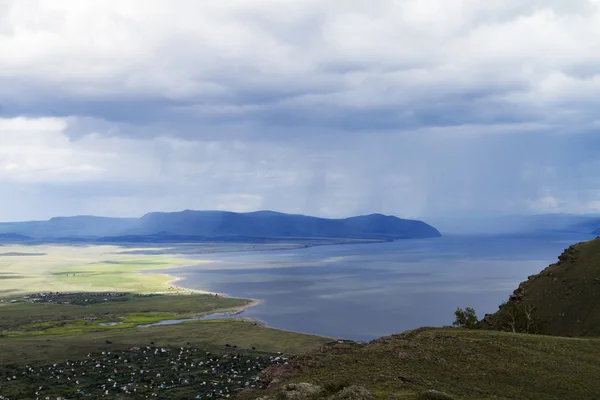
x=466 y=364
x=15 y=316
x=427 y=363
x=51 y=331
x=82 y=269
x=564 y=296
x=48 y=331
x=67 y=327
x=211 y=335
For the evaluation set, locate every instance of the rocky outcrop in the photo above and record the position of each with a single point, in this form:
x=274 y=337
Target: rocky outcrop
x=300 y=391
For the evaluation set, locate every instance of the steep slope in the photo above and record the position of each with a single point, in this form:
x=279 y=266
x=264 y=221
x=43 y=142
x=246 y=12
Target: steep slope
x=198 y=225
x=564 y=299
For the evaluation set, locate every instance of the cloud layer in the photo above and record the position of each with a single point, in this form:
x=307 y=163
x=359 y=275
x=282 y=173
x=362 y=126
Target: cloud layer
x=418 y=108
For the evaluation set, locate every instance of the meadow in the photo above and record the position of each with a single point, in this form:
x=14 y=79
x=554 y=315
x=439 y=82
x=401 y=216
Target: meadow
x=52 y=268
x=59 y=304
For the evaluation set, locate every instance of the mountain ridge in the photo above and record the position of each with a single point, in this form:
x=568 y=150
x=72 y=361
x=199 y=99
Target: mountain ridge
x=217 y=224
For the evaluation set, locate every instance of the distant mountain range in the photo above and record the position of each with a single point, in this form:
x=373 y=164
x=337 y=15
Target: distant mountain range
x=520 y=224
x=198 y=226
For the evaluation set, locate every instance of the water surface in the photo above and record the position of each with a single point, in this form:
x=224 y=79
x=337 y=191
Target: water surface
x=364 y=291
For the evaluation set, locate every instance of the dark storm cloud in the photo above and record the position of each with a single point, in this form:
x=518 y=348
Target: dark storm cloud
x=414 y=108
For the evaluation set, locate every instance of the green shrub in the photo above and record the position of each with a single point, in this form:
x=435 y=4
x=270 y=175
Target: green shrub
x=465 y=318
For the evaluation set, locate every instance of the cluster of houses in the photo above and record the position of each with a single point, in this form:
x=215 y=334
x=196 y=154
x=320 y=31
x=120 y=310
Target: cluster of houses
x=139 y=373
x=74 y=298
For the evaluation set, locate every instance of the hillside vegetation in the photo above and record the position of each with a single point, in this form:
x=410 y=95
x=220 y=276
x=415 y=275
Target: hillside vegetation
x=562 y=300
x=498 y=362
x=444 y=363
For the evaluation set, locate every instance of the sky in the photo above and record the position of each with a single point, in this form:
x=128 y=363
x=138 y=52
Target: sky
x=419 y=108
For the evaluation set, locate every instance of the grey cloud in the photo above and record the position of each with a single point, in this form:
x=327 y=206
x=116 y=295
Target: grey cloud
x=265 y=93
x=332 y=108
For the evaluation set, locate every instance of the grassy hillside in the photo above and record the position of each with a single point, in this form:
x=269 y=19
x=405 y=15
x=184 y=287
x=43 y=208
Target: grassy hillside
x=564 y=299
x=450 y=363
x=463 y=364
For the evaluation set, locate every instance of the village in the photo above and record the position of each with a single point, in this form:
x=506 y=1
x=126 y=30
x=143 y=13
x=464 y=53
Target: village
x=149 y=372
x=74 y=298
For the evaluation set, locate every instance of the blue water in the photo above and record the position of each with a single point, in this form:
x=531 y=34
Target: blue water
x=366 y=291
x=207 y=317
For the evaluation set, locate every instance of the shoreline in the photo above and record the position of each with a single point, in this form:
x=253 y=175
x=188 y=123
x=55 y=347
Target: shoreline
x=235 y=310
x=263 y=324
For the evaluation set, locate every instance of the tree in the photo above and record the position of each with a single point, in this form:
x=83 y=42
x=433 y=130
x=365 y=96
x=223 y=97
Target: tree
x=511 y=312
x=465 y=318
x=511 y=317
x=531 y=323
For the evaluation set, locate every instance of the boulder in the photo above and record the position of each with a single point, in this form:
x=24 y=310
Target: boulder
x=300 y=391
x=352 y=393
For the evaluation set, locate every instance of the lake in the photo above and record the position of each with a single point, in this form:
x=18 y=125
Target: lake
x=364 y=291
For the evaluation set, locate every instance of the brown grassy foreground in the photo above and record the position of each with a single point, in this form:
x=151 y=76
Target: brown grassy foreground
x=464 y=364
x=210 y=335
x=43 y=345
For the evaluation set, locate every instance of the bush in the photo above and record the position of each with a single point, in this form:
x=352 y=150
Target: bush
x=435 y=395
x=465 y=318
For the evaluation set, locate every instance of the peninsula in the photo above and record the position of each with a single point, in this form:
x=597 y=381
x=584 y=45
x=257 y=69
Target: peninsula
x=216 y=226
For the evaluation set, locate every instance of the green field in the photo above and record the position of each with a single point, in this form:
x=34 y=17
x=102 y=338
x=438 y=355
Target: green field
x=26 y=319
x=65 y=304
x=86 y=277
x=45 y=268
